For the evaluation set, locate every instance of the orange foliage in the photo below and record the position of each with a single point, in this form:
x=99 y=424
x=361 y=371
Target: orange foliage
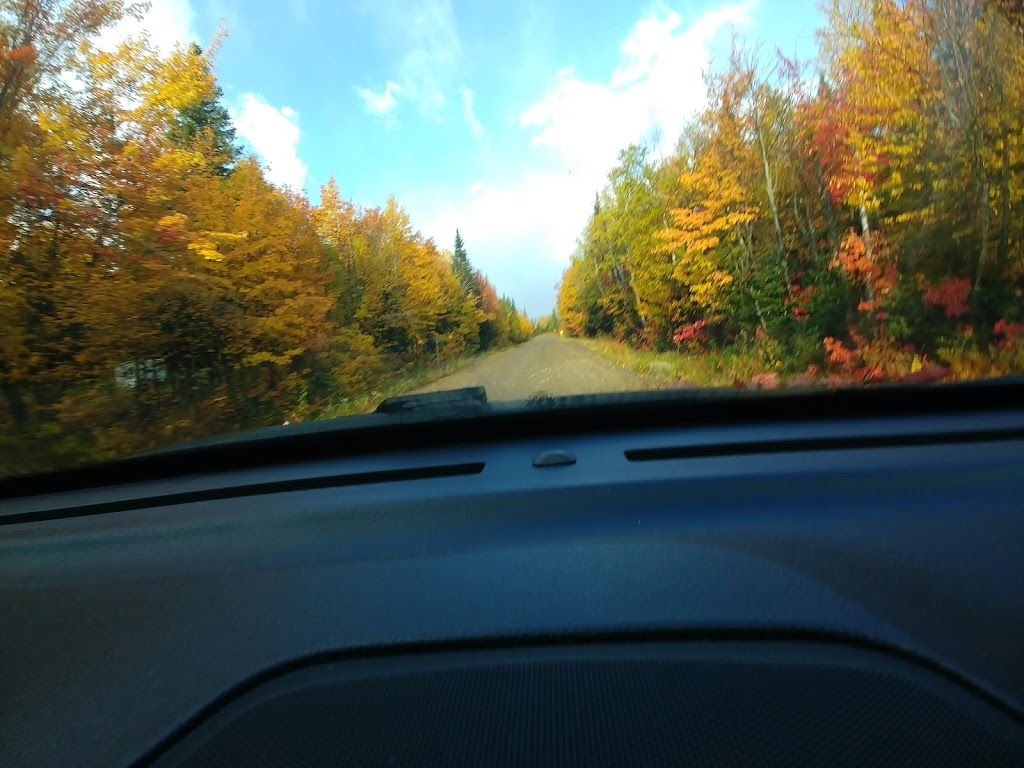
x=877 y=361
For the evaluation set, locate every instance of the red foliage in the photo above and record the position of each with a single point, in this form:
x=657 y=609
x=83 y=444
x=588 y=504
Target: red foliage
x=789 y=69
x=691 y=332
x=799 y=296
x=834 y=143
x=1011 y=333
x=829 y=139
x=488 y=296
x=950 y=294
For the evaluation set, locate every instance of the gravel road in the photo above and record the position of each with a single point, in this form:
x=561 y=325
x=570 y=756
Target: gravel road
x=549 y=365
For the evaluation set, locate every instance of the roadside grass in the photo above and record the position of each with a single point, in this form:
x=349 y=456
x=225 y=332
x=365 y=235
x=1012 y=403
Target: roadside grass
x=719 y=368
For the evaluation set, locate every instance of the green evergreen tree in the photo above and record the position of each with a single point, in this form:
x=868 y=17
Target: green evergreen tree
x=208 y=115
x=462 y=268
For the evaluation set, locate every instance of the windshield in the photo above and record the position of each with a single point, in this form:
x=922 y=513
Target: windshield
x=222 y=215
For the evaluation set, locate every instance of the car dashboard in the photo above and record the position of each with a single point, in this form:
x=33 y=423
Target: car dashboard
x=838 y=581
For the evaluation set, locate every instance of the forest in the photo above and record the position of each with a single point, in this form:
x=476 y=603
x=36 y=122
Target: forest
x=854 y=219
x=155 y=287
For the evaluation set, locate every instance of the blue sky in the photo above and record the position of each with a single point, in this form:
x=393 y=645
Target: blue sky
x=501 y=119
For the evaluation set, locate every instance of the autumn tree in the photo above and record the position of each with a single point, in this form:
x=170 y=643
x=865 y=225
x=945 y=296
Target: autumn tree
x=156 y=285
x=571 y=313
x=856 y=218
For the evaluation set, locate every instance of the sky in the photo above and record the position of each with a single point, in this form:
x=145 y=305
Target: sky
x=499 y=119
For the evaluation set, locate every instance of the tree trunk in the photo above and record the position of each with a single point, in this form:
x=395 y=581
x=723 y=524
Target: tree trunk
x=808 y=225
x=760 y=314
x=866 y=234
x=1003 y=238
x=16 y=404
x=636 y=296
x=770 y=189
x=830 y=214
x=985 y=226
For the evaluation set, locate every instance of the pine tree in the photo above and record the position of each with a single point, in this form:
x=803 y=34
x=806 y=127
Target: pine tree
x=210 y=118
x=462 y=268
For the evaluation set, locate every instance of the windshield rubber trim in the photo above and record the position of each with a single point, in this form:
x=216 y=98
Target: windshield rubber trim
x=380 y=433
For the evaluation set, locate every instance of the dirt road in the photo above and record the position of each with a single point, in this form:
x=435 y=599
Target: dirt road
x=549 y=365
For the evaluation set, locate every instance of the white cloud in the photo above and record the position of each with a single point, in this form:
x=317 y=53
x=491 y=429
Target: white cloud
x=657 y=85
x=274 y=134
x=166 y=22
x=379 y=103
x=655 y=89
x=518 y=234
x=426 y=40
x=535 y=204
x=475 y=126
x=524 y=231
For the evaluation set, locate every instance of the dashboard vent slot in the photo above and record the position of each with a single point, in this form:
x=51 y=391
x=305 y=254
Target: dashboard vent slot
x=818 y=444
x=251 y=489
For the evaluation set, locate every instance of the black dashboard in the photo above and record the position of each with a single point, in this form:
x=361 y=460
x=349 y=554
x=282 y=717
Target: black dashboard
x=826 y=584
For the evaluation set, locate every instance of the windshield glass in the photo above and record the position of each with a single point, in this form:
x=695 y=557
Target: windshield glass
x=224 y=215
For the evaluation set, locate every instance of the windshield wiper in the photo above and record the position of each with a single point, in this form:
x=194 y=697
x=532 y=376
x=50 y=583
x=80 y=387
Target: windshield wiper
x=451 y=402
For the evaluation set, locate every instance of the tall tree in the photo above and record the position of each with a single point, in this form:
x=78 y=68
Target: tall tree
x=463 y=269
x=207 y=122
